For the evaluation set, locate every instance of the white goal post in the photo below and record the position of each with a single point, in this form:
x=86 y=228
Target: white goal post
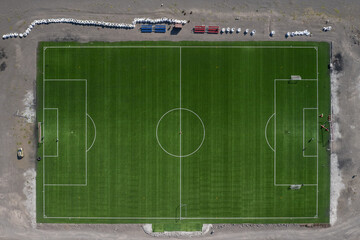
x=296 y=186
x=295 y=77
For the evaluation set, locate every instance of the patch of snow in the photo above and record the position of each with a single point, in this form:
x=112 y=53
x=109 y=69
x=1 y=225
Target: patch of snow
x=334 y=96
x=335 y=131
x=148 y=230
x=30 y=193
x=29 y=112
x=206 y=228
x=358 y=85
x=336 y=186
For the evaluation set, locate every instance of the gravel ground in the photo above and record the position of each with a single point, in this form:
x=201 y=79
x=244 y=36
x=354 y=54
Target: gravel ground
x=18 y=96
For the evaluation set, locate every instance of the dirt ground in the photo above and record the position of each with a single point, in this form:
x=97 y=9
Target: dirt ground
x=18 y=97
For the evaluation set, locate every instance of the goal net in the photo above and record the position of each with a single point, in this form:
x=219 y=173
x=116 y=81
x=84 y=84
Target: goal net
x=295 y=187
x=295 y=77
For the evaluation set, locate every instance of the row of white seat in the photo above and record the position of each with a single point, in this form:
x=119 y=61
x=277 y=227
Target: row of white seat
x=91 y=23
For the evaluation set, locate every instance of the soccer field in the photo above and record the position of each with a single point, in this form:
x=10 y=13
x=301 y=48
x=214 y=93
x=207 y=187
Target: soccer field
x=192 y=132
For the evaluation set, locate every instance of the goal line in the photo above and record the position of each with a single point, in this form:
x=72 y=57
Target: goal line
x=48 y=80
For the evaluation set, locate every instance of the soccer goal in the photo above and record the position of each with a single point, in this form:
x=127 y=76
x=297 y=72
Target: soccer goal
x=295 y=187
x=295 y=77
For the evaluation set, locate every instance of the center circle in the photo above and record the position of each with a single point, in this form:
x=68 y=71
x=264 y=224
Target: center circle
x=177 y=130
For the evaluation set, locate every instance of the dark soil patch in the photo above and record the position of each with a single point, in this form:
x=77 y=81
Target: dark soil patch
x=338 y=62
x=345 y=163
x=2 y=66
x=2 y=54
x=355 y=36
x=67 y=38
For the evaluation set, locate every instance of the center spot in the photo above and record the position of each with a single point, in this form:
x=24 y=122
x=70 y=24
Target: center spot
x=180 y=132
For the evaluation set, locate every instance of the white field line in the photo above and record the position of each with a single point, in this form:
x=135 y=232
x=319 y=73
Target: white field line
x=124 y=218
x=183 y=218
x=295 y=80
x=272 y=47
x=282 y=184
x=304 y=155
x=43 y=190
x=180 y=134
x=317 y=147
x=288 y=184
x=275 y=80
x=267 y=141
x=275 y=133
x=66 y=184
x=86 y=112
x=234 y=218
x=204 y=218
x=331 y=127
x=57 y=132
x=44 y=156
x=94 y=130
x=65 y=80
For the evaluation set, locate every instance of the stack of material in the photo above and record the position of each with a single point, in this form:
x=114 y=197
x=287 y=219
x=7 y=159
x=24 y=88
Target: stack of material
x=146 y=28
x=326 y=29
x=199 y=29
x=298 y=33
x=213 y=29
x=158 y=20
x=160 y=28
x=92 y=23
x=178 y=25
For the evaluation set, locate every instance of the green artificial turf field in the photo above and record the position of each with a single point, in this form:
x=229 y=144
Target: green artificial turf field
x=183 y=132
